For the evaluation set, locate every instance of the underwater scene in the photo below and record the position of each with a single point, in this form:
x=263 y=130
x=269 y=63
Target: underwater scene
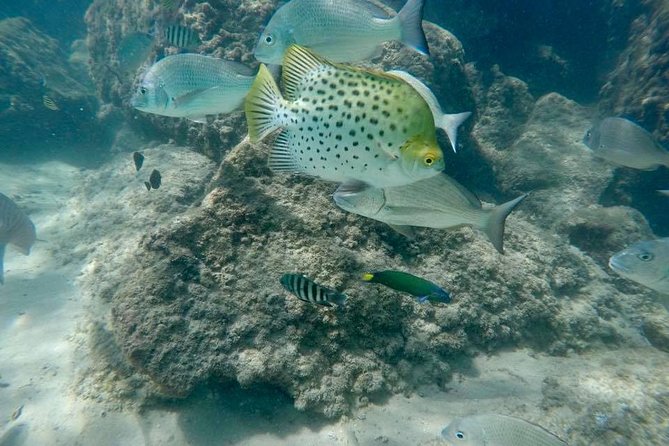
x=334 y=222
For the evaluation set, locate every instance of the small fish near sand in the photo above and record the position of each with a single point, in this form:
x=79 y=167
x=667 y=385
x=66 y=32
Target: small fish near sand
x=437 y=202
x=49 y=103
x=645 y=262
x=138 y=159
x=181 y=36
x=155 y=180
x=497 y=430
x=343 y=123
x=15 y=228
x=309 y=291
x=624 y=143
x=192 y=86
x=341 y=31
x=449 y=123
x=422 y=289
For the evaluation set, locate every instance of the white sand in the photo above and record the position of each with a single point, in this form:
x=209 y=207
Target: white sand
x=47 y=305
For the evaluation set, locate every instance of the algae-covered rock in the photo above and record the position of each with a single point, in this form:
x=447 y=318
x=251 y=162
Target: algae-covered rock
x=32 y=66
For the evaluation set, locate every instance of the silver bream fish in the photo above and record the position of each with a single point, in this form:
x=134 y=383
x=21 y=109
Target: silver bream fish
x=192 y=86
x=437 y=202
x=645 y=262
x=343 y=123
x=624 y=143
x=133 y=50
x=497 y=430
x=15 y=228
x=341 y=30
x=448 y=123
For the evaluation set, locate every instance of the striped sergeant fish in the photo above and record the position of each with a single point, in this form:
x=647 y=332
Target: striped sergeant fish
x=309 y=291
x=15 y=228
x=181 y=36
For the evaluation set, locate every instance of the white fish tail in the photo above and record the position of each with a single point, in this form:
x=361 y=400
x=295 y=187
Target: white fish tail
x=494 y=227
x=450 y=124
x=262 y=104
x=411 y=19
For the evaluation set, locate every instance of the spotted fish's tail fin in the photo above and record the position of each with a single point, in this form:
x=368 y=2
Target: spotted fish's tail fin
x=494 y=227
x=411 y=21
x=262 y=105
x=2 y=267
x=450 y=124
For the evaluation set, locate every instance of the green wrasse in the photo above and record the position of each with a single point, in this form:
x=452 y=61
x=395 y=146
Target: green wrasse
x=423 y=289
x=343 y=123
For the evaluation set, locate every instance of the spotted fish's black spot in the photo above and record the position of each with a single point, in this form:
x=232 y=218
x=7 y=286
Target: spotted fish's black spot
x=351 y=132
x=393 y=127
x=339 y=123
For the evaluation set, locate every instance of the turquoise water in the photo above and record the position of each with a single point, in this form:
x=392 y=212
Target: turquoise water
x=152 y=312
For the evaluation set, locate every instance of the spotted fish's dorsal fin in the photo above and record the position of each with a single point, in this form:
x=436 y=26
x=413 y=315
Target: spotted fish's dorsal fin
x=297 y=63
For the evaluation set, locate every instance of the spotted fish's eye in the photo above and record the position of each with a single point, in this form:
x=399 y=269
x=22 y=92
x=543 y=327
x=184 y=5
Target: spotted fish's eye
x=645 y=256
x=460 y=435
x=269 y=40
x=429 y=159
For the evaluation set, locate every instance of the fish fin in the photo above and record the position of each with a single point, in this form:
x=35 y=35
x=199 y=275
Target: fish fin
x=148 y=185
x=407 y=231
x=422 y=299
x=2 y=267
x=338 y=299
x=450 y=124
x=385 y=153
x=198 y=119
x=494 y=227
x=280 y=158
x=351 y=187
x=297 y=63
x=411 y=21
x=261 y=104
x=185 y=98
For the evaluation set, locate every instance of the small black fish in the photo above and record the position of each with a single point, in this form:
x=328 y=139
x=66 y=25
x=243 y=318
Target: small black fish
x=155 y=179
x=148 y=185
x=181 y=36
x=50 y=103
x=309 y=291
x=138 y=158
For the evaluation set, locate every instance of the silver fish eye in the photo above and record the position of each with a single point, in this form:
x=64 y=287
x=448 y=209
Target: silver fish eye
x=645 y=256
x=142 y=90
x=460 y=435
x=269 y=40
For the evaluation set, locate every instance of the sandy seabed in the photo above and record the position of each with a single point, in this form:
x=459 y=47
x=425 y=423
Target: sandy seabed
x=48 y=397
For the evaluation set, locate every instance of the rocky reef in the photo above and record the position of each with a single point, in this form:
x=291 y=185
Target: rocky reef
x=34 y=66
x=198 y=300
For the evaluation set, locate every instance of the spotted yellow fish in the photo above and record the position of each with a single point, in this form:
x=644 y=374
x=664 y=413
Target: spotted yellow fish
x=343 y=123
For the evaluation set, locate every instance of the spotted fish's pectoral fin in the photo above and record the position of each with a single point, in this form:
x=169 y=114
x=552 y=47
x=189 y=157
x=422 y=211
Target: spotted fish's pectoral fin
x=405 y=230
x=2 y=266
x=297 y=63
x=280 y=158
x=385 y=153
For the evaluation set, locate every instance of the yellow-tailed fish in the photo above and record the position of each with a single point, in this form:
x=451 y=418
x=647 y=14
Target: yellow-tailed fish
x=437 y=202
x=192 y=86
x=498 y=430
x=343 y=124
x=341 y=30
x=50 y=103
x=449 y=123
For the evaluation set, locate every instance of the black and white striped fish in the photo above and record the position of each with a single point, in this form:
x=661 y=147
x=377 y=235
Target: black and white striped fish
x=309 y=291
x=181 y=36
x=15 y=228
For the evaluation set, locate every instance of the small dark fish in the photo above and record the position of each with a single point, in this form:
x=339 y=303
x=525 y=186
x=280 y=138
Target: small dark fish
x=423 y=289
x=181 y=36
x=155 y=179
x=17 y=413
x=50 y=103
x=309 y=291
x=138 y=158
x=148 y=185
x=15 y=228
